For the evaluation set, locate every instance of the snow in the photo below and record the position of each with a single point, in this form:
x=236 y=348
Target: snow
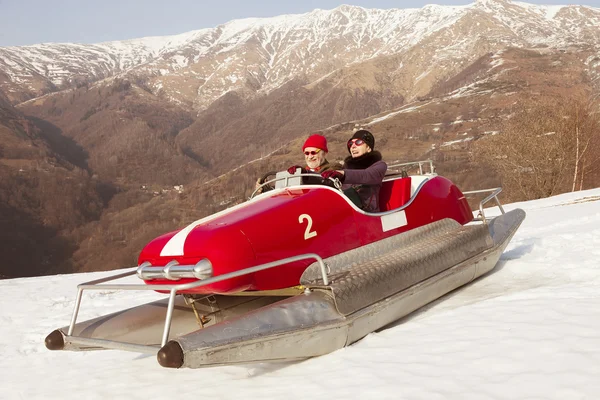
x=180 y=61
x=405 y=109
x=456 y=141
x=497 y=62
x=383 y=118
x=529 y=329
x=551 y=11
x=423 y=75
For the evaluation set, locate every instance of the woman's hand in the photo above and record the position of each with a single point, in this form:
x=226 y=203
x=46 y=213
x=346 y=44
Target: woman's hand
x=333 y=174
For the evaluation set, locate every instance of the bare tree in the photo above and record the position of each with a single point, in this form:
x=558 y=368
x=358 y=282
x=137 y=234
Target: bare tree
x=545 y=148
x=583 y=127
x=529 y=154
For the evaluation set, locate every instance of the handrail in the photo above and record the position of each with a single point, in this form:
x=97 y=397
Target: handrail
x=419 y=163
x=336 y=182
x=94 y=285
x=494 y=195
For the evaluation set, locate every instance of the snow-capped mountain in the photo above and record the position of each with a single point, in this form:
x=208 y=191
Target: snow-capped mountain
x=214 y=109
x=257 y=56
x=48 y=67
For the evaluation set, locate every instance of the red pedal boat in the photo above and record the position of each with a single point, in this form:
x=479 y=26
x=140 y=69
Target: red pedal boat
x=298 y=271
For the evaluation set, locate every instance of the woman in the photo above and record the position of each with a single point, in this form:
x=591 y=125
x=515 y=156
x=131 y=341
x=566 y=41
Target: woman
x=363 y=171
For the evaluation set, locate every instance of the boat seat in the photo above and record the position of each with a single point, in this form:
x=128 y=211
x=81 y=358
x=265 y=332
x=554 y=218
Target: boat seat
x=417 y=180
x=394 y=193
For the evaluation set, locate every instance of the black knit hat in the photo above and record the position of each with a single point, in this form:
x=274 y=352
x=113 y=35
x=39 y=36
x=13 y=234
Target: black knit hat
x=366 y=136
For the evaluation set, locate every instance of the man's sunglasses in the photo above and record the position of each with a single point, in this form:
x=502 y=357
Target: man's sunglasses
x=357 y=142
x=311 y=153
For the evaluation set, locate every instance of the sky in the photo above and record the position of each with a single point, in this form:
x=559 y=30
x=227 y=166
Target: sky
x=25 y=22
x=527 y=330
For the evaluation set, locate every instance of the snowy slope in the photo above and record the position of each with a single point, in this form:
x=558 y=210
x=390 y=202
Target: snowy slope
x=529 y=329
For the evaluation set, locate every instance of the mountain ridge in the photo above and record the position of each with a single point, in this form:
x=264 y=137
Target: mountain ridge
x=257 y=55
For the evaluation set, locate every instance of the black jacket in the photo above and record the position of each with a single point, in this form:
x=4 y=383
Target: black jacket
x=364 y=175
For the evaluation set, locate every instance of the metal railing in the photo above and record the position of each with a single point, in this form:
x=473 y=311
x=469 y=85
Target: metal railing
x=336 y=182
x=338 y=185
x=494 y=195
x=174 y=289
x=420 y=164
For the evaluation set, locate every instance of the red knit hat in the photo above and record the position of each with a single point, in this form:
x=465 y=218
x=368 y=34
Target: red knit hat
x=317 y=141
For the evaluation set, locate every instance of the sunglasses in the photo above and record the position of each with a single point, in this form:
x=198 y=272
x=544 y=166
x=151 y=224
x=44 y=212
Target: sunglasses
x=357 y=142
x=311 y=153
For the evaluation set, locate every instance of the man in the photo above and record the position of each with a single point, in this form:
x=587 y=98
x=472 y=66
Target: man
x=315 y=151
x=363 y=172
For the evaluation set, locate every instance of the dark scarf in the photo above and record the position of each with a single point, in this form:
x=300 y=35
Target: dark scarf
x=362 y=162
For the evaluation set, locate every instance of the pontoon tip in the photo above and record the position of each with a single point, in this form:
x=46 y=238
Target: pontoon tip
x=55 y=341
x=170 y=355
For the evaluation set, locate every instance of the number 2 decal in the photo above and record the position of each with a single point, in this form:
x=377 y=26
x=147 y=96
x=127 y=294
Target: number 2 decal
x=307 y=233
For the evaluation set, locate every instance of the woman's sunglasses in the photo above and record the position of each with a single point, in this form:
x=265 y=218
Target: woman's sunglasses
x=311 y=153
x=357 y=142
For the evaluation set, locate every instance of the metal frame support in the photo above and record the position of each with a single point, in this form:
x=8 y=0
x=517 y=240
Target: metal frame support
x=174 y=289
x=494 y=195
x=419 y=163
x=284 y=178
